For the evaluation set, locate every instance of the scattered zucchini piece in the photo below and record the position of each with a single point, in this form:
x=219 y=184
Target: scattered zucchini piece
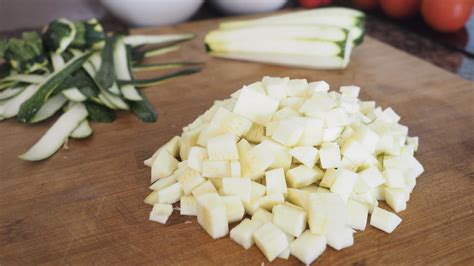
x=99 y=113
x=49 y=108
x=161 y=66
x=57 y=134
x=160 y=79
x=84 y=130
x=144 y=109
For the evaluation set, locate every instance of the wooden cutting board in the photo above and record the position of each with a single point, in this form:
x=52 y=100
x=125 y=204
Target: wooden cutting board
x=85 y=204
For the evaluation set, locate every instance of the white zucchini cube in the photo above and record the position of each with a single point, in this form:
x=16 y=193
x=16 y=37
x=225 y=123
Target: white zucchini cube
x=161 y=212
x=351 y=90
x=340 y=238
x=151 y=199
x=258 y=190
x=311 y=188
x=262 y=216
x=358 y=213
x=164 y=182
x=267 y=202
x=256 y=107
x=289 y=219
x=255 y=133
x=235 y=169
x=196 y=156
x=234 y=208
x=396 y=198
x=189 y=180
x=302 y=176
x=329 y=155
x=355 y=152
x=242 y=234
x=188 y=140
x=170 y=194
x=205 y=188
x=313 y=132
x=172 y=147
x=275 y=87
x=285 y=254
x=163 y=165
x=319 y=86
x=212 y=215
x=344 y=183
x=258 y=159
x=270 y=240
x=298 y=88
x=288 y=132
x=222 y=148
x=306 y=155
x=237 y=186
x=213 y=169
x=308 y=247
x=328 y=178
x=224 y=121
x=284 y=113
x=188 y=206
x=275 y=181
x=384 y=220
x=394 y=178
x=336 y=117
x=326 y=212
x=372 y=176
x=282 y=158
x=298 y=197
x=367 y=107
x=331 y=134
x=414 y=142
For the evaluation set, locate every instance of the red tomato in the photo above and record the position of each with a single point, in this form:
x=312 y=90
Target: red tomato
x=446 y=15
x=365 y=4
x=400 y=8
x=313 y=3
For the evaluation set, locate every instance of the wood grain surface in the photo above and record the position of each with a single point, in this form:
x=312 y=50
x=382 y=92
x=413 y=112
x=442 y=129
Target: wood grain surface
x=85 y=204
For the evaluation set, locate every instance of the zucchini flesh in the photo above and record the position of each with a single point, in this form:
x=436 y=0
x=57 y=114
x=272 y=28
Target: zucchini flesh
x=272 y=32
x=293 y=47
x=74 y=94
x=144 y=110
x=158 y=80
x=105 y=75
x=84 y=130
x=57 y=134
x=49 y=108
x=99 y=113
x=10 y=92
x=315 y=62
x=135 y=40
x=29 y=108
x=161 y=66
x=27 y=78
x=104 y=100
x=12 y=107
x=121 y=65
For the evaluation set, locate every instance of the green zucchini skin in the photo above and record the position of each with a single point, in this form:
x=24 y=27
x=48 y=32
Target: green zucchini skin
x=24 y=55
x=89 y=35
x=29 y=108
x=58 y=35
x=144 y=109
x=99 y=113
x=160 y=79
x=105 y=76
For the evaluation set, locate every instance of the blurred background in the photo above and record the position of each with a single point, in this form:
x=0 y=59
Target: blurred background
x=444 y=37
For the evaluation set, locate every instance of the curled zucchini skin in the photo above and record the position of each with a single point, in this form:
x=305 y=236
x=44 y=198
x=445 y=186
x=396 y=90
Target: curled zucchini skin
x=29 y=108
x=160 y=79
x=58 y=35
x=144 y=109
